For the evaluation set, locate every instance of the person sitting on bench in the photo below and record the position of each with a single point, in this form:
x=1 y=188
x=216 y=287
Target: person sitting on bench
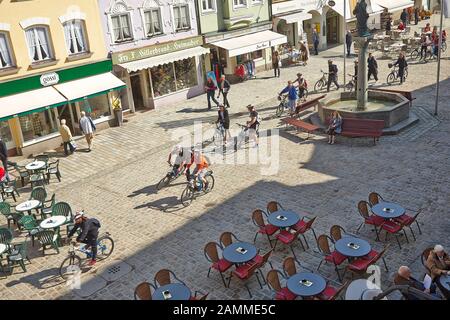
x=334 y=127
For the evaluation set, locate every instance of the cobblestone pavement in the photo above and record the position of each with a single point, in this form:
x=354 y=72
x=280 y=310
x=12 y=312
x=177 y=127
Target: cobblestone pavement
x=116 y=183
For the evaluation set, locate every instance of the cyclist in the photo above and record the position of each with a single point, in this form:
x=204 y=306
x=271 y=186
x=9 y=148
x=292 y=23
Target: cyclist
x=89 y=233
x=180 y=159
x=224 y=120
x=302 y=86
x=201 y=167
x=292 y=96
x=253 y=124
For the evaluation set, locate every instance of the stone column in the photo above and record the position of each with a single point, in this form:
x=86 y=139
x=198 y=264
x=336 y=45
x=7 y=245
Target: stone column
x=362 y=94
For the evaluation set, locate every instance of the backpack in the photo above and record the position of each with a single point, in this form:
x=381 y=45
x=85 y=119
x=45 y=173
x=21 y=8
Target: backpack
x=335 y=69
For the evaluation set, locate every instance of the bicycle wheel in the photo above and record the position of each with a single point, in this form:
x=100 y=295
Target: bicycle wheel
x=187 y=196
x=69 y=266
x=406 y=73
x=390 y=78
x=415 y=54
x=280 y=109
x=105 y=246
x=218 y=138
x=210 y=179
x=444 y=46
x=305 y=93
x=349 y=87
x=163 y=182
x=318 y=86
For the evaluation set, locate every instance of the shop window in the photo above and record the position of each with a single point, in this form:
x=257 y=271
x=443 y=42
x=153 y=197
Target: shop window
x=74 y=33
x=38 y=124
x=181 y=15
x=38 y=41
x=185 y=73
x=98 y=107
x=5 y=52
x=257 y=54
x=239 y=3
x=208 y=5
x=153 y=22
x=5 y=132
x=121 y=26
x=163 y=79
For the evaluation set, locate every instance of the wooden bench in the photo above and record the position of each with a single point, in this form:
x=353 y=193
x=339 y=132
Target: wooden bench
x=308 y=104
x=359 y=128
x=299 y=124
x=406 y=94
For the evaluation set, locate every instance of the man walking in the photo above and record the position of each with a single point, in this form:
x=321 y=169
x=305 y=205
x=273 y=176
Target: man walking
x=66 y=137
x=87 y=126
x=348 y=42
x=210 y=92
x=276 y=64
x=224 y=88
x=416 y=15
x=332 y=75
x=373 y=67
x=4 y=157
x=404 y=17
x=315 y=39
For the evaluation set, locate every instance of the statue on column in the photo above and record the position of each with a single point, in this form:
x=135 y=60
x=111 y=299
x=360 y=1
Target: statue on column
x=362 y=16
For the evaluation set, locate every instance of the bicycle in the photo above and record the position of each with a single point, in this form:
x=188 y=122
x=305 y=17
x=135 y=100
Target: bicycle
x=415 y=54
x=169 y=177
x=196 y=186
x=351 y=84
x=243 y=136
x=322 y=82
x=393 y=75
x=219 y=135
x=283 y=103
x=71 y=264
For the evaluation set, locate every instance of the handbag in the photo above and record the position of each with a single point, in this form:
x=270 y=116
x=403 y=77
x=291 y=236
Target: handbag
x=73 y=144
x=279 y=63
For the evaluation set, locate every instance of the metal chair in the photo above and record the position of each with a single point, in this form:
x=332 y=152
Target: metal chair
x=267 y=229
x=273 y=206
x=143 y=291
x=279 y=292
x=164 y=276
x=219 y=264
x=226 y=239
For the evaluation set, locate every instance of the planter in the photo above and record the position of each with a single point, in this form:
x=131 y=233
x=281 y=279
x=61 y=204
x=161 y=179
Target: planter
x=119 y=116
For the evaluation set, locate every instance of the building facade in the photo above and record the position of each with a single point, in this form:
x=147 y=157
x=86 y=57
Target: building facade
x=238 y=32
x=52 y=66
x=155 y=49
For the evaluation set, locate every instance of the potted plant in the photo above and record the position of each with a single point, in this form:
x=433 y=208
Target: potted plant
x=117 y=107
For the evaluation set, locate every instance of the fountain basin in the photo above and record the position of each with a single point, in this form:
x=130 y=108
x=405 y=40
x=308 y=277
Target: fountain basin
x=390 y=107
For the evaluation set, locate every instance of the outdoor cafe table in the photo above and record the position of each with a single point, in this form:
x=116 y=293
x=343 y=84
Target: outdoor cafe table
x=3 y=248
x=362 y=289
x=28 y=206
x=239 y=252
x=388 y=210
x=444 y=280
x=283 y=219
x=352 y=247
x=177 y=291
x=35 y=165
x=53 y=222
x=306 y=284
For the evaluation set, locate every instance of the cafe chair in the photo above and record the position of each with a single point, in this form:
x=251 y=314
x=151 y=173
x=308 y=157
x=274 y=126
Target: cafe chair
x=262 y=260
x=289 y=267
x=53 y=168
x=47 y=206
x=373 y=220
x=164 y=276
x=408 y=220
x=9 y=189
x=198 y=296
x=304 y=226
x=360 y=265
x=288 y=238
x=219 y=264
x=14 y=217
x=143 y=291
x=226 y=239
x=30 y=225
x=374 y=198
x=267 y=229
x=334 y=257
x=37 y=178
x=39 y=194
x=396 y=229
x=375 y=256
x=332 y=292
x=274 y=284
x=42 y=157
x=337 y=232
x=244 y=273
x=48 y=238
x=6 y=237
x=23 y=173
x=18 y=256
x=273 y=206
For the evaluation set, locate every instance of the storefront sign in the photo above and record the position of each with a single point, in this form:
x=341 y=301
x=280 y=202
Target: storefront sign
x=156 y=50
x=49 y=79
x=312 y=4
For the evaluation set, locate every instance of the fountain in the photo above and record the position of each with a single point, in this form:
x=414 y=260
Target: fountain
x=392 y=108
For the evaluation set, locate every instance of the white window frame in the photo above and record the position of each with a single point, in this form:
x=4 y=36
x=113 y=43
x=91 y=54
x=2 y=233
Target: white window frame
x=238 y=5
x=111 y=25
x=9 y=51
x=49 y=43
x=144 y=21
x=73 y=36
x=182 y=4
x=257 y=2
x=209 y=10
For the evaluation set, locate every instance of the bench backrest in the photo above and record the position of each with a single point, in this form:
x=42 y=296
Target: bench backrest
x=349 y=124
x=310 y=102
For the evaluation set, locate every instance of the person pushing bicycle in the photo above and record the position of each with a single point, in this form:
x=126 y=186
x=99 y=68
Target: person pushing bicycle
x=89 y=233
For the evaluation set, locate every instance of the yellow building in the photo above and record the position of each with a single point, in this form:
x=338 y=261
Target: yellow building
x=53 y=65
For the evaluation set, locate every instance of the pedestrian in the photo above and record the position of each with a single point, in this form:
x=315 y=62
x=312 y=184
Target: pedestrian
x=416 y=15
x=425 y=42
x=291 y=90
x=348 y=42
x=315 y=39
x=304 y=53
x=402 y=65
x=427 y=28
x=224 y=119
x=373 y=67
x=276 y=62
x=211 y=92
x=224 y=88
x=335 y=127
x=4 y=157
x=66 y=137
x=88 y=128
x=388 y=23
x=404 y=17
x=332 y=75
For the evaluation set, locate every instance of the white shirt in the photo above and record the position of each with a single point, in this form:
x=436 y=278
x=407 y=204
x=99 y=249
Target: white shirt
x=86 y=126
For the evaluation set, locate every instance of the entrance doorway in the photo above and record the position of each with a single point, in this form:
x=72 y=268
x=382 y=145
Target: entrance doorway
x=68 y=113
x=332 y=27
x=137 y=91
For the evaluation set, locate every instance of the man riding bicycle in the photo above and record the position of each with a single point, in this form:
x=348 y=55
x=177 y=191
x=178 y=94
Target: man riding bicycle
x=89 y=233
x=291 y=91
x=182 y=157
x=201 y=168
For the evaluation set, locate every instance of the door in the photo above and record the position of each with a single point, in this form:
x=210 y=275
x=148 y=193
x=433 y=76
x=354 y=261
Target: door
x=137 y=92
x=65 y=112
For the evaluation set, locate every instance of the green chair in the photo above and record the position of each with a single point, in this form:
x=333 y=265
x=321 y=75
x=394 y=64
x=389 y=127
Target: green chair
x=18 y=256
x=47 y=207
x=62 y=209
x=48 y=238
x=23 y=173
x=5 y=209
x=53 y=168
x=30 y=225
x=37 y=178
x=9 y=189
x=6 y=237
x=42 y=157
x=39 y=194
